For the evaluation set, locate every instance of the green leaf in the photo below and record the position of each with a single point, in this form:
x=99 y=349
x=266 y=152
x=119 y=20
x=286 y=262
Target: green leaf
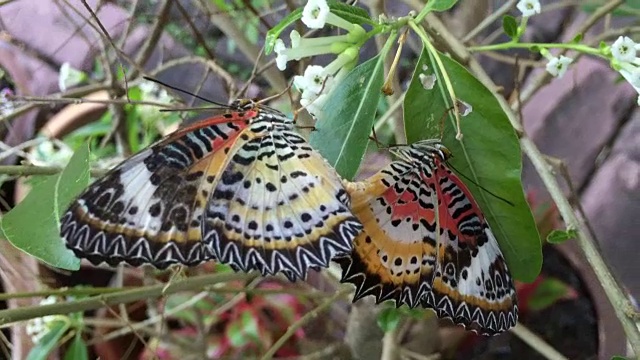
x=33 y=226
x=489 y=154
x=353 y=14
x=77 y=349
x=549 y=291
x=560 y=236
x=342 y=133
x=618 y=357
x=577 y=39
x=41 y=350
x=510 y=26
x=389 y=318
x=441 y=5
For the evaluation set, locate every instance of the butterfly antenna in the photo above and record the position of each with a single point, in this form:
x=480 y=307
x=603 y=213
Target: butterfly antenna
x=480 y=186
x=185 y=92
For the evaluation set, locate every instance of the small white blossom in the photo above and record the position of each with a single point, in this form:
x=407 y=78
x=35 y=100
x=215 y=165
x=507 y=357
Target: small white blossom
x=38 y=327
x=624 y=49
x=69 y=77
x=315 y=13
x=529 y=7
x=427 y=81
x=314 y=80
x=557 y=66
x=282 y=58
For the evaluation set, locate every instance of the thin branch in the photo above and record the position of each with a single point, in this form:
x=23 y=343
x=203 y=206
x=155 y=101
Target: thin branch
x=126 y=296
x=536 y=343
x=505 y=8
x=301 y=322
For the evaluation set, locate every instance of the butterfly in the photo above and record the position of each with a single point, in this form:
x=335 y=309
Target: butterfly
x=241 y=188
x=426 y=242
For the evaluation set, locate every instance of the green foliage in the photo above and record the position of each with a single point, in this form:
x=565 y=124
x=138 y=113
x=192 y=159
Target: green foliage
x=389 y=318
x=49 y=341
x=548 y=292
x=488 y=154
x=77 y=349
x=343 y=133
x=510 y=26
x=560 y=236
x=43 y=207
x=439 y=5
x=629 y=8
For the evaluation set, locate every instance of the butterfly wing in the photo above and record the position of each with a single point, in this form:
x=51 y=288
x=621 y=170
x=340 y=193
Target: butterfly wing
x=460 y=273
x=393 y=259
x=279 y=207
x=472 y=284
x=149 y=208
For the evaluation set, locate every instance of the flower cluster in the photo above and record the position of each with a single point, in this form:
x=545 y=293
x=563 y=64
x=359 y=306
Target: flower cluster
x=625 y=59
x=318 y=81
x=38 y=327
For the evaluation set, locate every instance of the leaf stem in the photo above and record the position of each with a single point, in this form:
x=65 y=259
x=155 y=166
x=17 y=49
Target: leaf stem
x=531 y=46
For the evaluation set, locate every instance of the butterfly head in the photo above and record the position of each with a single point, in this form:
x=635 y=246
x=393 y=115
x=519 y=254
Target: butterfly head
x=263 y=114
x=423 y=150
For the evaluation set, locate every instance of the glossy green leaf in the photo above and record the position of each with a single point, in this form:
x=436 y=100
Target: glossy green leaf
x=342 y=132
x=441 y=5
x=488 y=154
x=510 y=26
x=560 y=236
x=549 y=291
x=49 y=341
x=77 y=349
x=389 y=318
x=33 y=226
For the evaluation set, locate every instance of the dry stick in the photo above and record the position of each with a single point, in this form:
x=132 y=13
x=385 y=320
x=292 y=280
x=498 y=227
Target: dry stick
x=301 y=322
x=194 y=283
x=230 y=28
x=489 y=20
x=613 y=290
x=537 y=343
x=152 y=39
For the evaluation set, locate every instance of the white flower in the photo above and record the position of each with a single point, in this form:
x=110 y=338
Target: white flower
x=282 y=58
x=427 y=81
x=557 y=66
x=315 y=13
x=529 y=7
x=314 y=80
x=69 y=77
x=624 y=49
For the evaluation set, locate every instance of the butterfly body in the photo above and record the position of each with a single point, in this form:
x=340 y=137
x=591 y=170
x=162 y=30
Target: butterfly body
x=242 y=188
x=425 y=242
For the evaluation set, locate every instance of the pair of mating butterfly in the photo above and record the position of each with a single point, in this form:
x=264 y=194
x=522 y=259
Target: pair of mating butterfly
x=244 y=189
